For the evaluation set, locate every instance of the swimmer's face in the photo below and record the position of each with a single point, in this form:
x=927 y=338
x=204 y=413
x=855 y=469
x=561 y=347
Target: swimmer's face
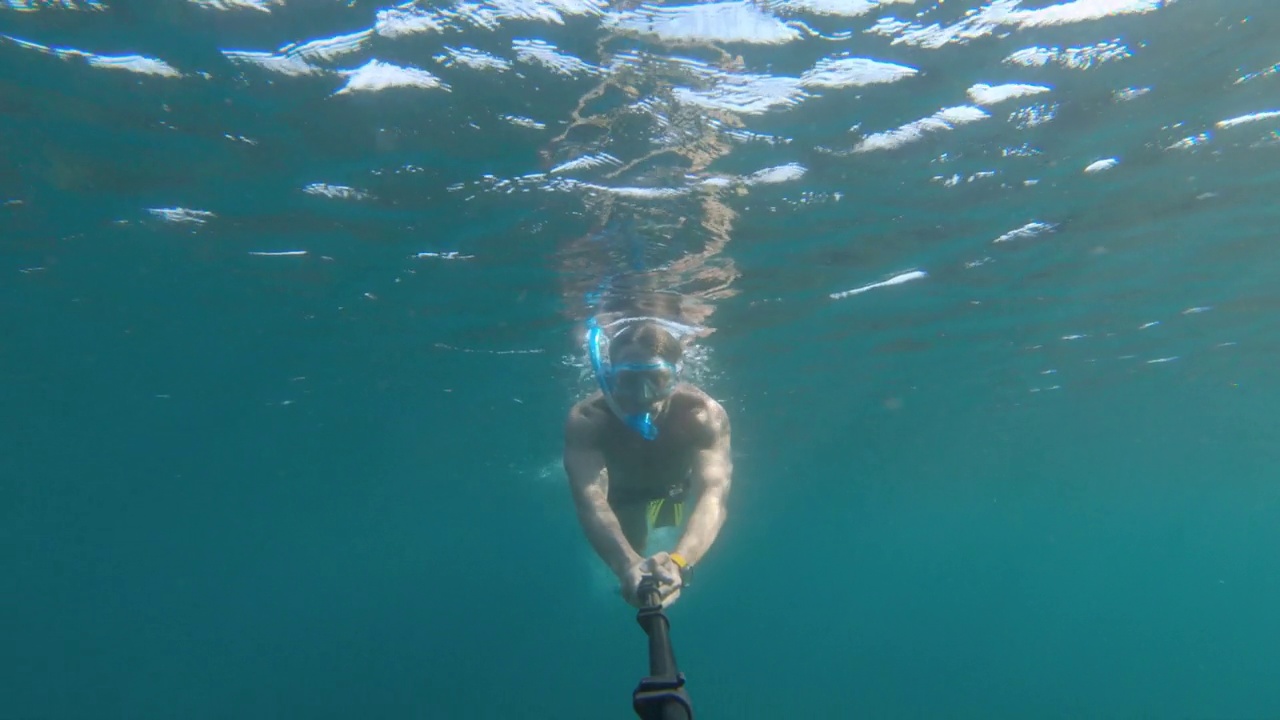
x=641 y=382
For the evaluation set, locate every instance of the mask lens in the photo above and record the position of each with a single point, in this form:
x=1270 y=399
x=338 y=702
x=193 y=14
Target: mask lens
x=639 y=386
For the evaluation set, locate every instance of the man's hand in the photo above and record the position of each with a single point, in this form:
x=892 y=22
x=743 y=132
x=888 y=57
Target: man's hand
x=666 y=576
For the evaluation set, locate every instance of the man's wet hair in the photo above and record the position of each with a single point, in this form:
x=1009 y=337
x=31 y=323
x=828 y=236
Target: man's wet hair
x=652 y=338
x=637 y=302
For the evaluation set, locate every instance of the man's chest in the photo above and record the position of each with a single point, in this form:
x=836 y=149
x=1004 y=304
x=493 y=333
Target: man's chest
x=647 y=462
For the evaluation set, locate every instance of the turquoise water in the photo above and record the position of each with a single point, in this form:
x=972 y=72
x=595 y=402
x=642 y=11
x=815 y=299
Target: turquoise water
x=989 y=292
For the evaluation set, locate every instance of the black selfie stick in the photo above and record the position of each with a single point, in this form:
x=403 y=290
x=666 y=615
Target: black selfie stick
x=661 y=695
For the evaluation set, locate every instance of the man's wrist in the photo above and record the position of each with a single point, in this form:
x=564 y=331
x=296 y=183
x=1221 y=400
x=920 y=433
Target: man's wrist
x=688 y=552
x=683 y=565
x=624 y=563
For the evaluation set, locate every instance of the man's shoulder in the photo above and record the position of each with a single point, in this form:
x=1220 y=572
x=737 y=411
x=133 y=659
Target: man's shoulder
x=589 y=407
x=695 y=399
x=585 y=418
x=705 y=412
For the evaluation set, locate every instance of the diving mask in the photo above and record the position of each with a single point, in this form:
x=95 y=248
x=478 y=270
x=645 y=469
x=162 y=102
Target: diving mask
x=631 y=389
x=638 y=385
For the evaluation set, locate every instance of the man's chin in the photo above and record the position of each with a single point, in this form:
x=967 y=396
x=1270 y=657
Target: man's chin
x=647 y=409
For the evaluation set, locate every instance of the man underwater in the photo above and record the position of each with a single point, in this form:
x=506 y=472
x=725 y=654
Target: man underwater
x=636 y=451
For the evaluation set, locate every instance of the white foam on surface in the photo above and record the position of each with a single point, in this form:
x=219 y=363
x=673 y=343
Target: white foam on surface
x=1250 y=118
x=1074 y=58
x=854 y=71
x=543 y=53
x=774 y=175
x=983 y=94
x=941 y=121
x=1081 y=11
x=585 y=162
x=837 y=8
x=707 y=22
x=1101 y=165
x=259 y=5
x=336 y=192
x=282 y=64
x=330 y=48
x=376 y=75
x=407 y=19
x=132 y=63
x=181 y=215
x=745 y=93
x=493 y=13
x=470 y=57
x=895 y=280
x=995 y=16
x=1030 y=230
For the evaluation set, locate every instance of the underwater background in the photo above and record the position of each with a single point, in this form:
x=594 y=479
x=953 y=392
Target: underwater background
x=291 y=300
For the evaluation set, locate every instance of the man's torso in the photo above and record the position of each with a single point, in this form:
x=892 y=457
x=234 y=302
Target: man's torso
x=641 y=470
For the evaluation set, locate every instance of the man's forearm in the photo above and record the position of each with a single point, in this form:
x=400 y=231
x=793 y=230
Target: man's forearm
x=605 y=534
x=704 y=525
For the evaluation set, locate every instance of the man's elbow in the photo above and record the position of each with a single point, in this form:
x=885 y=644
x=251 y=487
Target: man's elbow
x=586 y=498
x=714 y=489
x=718 y=477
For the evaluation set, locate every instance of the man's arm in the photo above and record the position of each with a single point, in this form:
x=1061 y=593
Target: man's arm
x=710 y=481
x=584 y=464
